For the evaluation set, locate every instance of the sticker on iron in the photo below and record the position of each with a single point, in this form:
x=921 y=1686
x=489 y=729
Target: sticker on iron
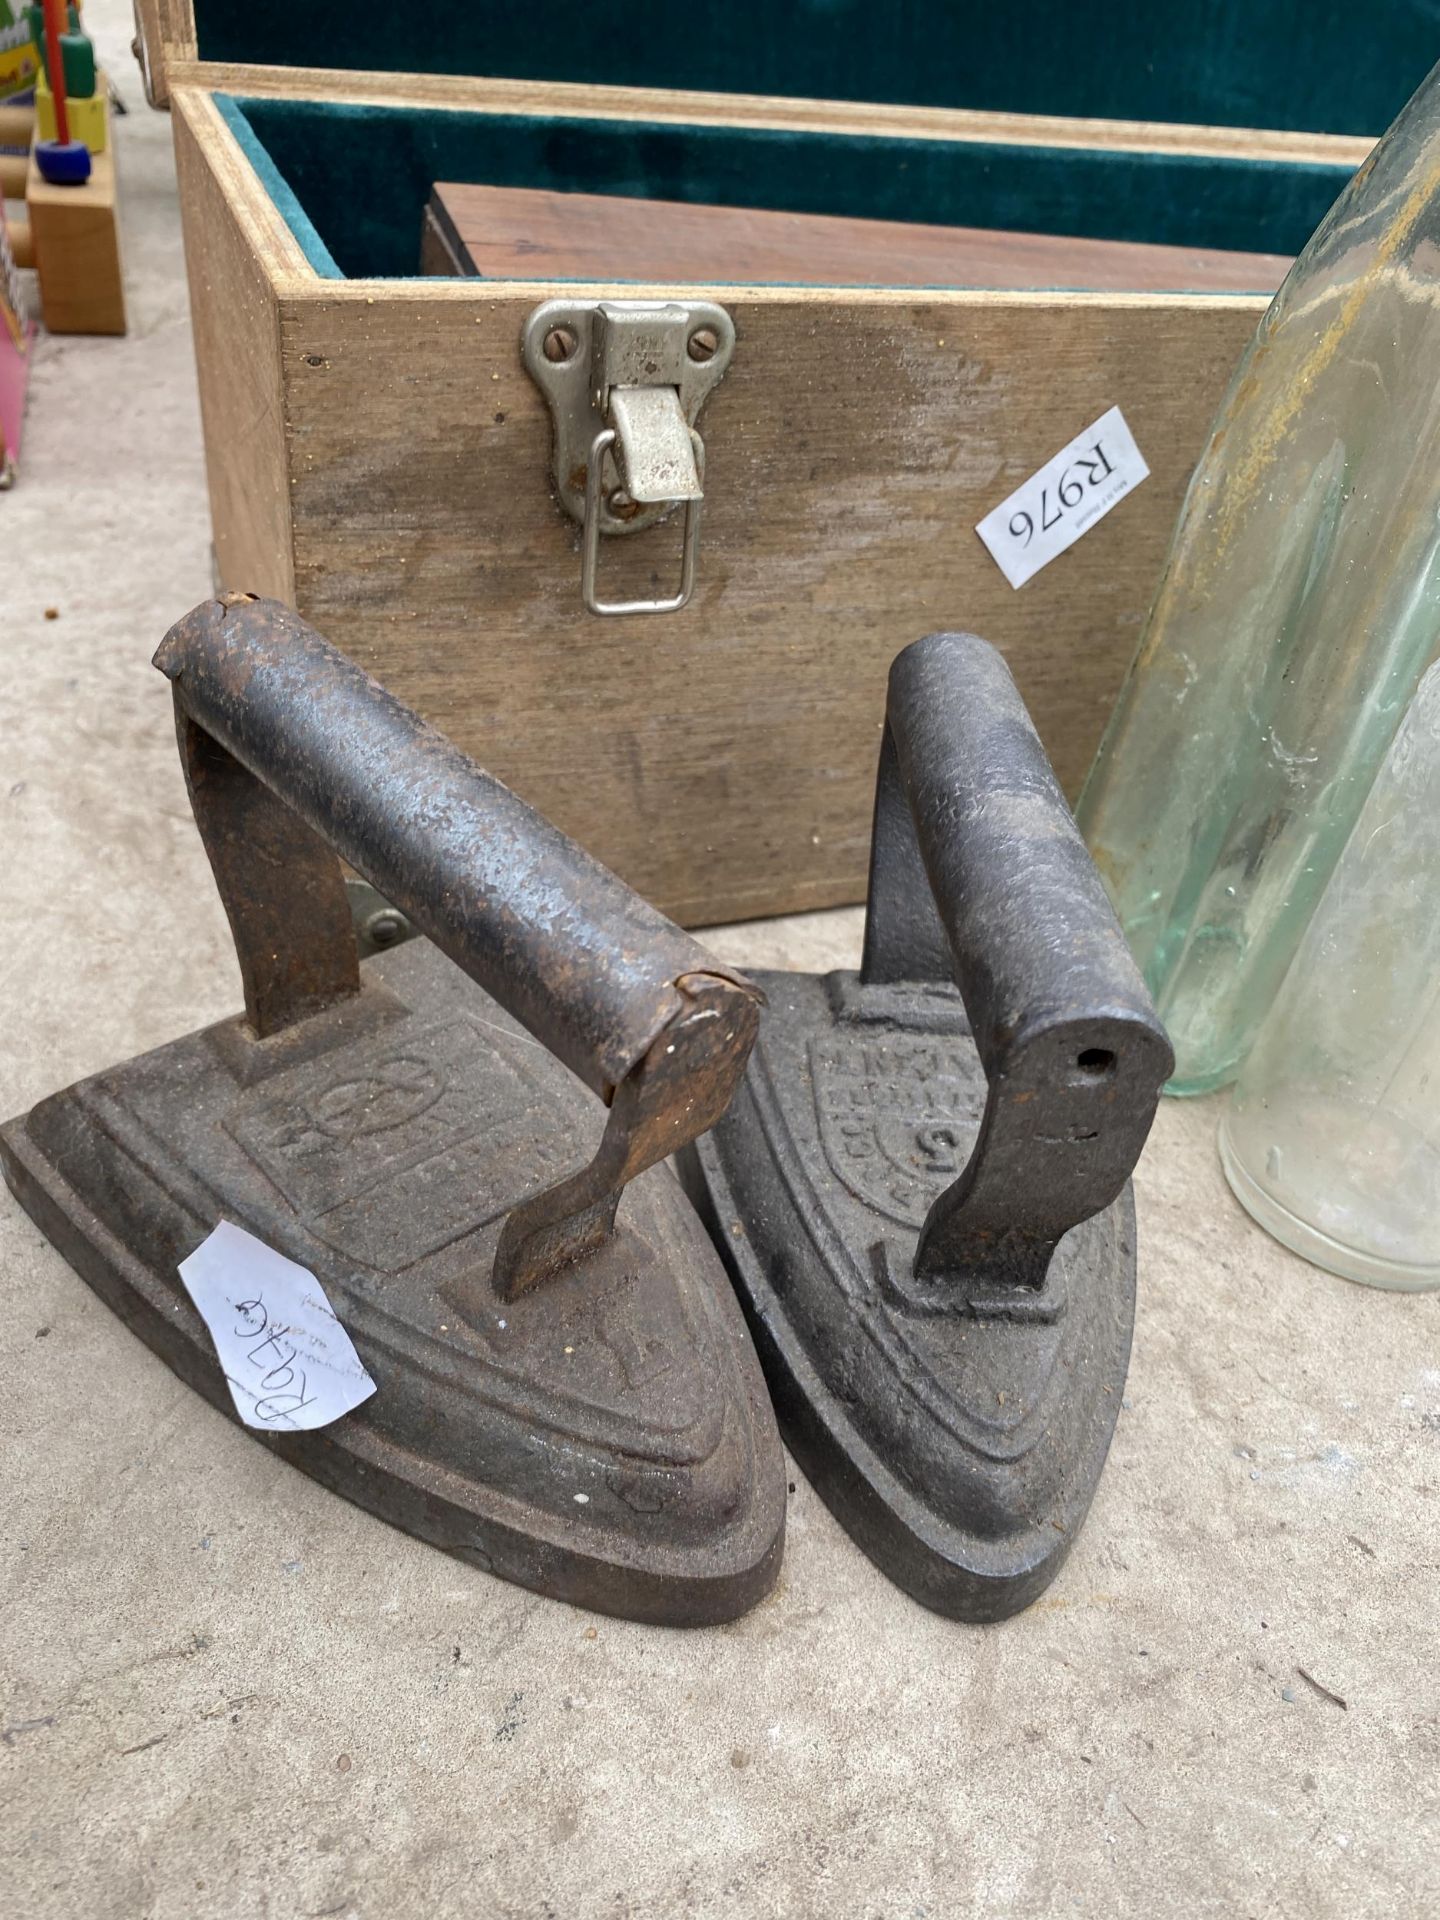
x=289 y=1364
x=1064 y=499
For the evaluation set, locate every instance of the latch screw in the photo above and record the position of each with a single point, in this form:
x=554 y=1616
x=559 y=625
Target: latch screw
x=560 y=344
x=387 y=927
x=702 y=343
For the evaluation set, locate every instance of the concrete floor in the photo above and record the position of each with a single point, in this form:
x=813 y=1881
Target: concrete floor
x=228 y=1693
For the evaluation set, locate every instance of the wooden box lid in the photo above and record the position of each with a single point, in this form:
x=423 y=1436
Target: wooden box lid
x=1293 y=66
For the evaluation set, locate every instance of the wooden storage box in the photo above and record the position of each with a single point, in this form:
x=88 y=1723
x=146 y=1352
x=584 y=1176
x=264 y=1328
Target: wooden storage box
x=379 y=456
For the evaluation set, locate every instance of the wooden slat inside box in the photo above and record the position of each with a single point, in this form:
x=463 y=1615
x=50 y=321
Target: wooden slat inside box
x=378 y=455
x=500 y=232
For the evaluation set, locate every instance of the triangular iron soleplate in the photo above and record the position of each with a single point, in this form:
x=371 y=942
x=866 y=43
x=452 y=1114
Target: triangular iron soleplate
x=605 y=1439
x=960 y=1449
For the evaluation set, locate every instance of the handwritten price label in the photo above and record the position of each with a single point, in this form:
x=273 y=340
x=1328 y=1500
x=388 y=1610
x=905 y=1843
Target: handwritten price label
x=288 y=1362
x=1064 y=499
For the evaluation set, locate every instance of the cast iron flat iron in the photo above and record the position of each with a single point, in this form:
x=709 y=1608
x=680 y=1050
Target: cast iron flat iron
x=922 y=1193
x=565 y=1399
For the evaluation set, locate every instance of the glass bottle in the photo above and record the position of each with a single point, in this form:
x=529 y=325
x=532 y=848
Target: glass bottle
x=1332 y=1140
x=1299 y=606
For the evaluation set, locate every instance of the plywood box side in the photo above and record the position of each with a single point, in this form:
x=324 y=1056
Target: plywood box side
x=264 y=229
x=722 y=759
x=164 y=41
x=235 y=315
x=429 y=292
x=576 y=100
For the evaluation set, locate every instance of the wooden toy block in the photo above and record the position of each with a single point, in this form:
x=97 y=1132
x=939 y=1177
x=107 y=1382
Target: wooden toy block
x=75 y=239
x=17 y=130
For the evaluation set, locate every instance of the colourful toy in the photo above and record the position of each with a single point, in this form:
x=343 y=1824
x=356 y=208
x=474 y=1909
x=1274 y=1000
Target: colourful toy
x=17 y=331
x=70 y=187
x=63 y=162
x=17 y=136
x=75 y=50
x=19 y=54
x=84 y=83
x=87 y=117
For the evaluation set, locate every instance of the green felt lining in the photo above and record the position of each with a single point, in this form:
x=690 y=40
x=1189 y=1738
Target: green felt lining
x=352 y=181
x=279 y=189
x=1322 y=66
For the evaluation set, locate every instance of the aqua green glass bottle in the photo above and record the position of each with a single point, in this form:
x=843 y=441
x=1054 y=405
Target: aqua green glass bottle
x=1332 y=1140
x=1299 y=606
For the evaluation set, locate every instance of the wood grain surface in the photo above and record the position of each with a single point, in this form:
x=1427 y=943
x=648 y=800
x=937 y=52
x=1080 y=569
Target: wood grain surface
x=75 y=241
x=507 y=233
x=722 y=759
x=577 y=100
x=17 y=126
x=236 y=247
x=164 y=42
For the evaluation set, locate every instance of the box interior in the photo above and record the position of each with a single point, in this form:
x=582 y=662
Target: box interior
x=352 y=180
x=1318 y=66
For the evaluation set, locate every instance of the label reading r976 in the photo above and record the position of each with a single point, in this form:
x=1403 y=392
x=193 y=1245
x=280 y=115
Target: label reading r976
x=1064 y=499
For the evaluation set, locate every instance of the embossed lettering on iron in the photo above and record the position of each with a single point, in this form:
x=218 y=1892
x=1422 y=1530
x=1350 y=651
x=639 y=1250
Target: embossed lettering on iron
x=897 y=1116
x=435 y=1112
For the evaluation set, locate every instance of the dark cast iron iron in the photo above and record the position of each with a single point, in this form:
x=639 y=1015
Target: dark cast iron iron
x=921 y=1190
x=566 y=1398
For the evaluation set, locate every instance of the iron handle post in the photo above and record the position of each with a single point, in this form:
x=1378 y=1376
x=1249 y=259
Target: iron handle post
x=293 y=754
x=978 y=873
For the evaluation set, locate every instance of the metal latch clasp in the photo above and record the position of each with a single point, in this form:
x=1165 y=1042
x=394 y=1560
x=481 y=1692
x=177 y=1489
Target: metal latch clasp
x=625 y=380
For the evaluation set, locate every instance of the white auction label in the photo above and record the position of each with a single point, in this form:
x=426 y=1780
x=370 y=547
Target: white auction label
x=1064 y=499
x=288 y=1362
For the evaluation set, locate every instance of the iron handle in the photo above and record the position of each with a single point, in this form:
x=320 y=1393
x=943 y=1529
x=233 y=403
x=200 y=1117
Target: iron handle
x=978 y=873
x=293 y=754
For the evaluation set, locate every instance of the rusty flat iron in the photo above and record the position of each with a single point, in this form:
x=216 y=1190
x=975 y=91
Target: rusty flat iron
x=922 y=1189
x=566 y=1398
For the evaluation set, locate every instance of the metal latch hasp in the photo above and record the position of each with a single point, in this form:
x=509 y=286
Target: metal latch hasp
x=625 y=380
